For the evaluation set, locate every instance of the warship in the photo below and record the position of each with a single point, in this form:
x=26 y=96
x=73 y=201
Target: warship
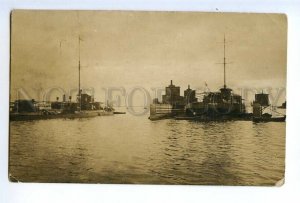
x=260 y=105
x=221 y=105
x=84 y=107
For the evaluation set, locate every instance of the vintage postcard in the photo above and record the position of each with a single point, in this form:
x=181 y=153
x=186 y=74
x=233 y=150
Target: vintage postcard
x=139 y=97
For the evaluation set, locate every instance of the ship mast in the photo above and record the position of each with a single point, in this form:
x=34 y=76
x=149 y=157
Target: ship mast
x=79 y=90
x=79 y=65
x=224 y=62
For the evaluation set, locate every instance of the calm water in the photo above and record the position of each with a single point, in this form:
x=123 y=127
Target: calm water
x=131 y=149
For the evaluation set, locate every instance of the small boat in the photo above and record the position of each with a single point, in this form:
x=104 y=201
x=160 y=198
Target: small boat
x=119 y=112
x=160 y=117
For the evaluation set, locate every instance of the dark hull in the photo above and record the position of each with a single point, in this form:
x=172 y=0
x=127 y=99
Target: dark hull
x=29 y=117
x=160 y=117
x=244 y=117
x=274 y=119
x=117 y=112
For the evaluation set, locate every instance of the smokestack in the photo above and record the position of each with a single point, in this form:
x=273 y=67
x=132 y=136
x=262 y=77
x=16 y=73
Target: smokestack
x=171 y=82
x=188 y=86
x=64 y=98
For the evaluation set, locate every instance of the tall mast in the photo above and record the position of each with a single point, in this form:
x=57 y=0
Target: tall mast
x=79 y=39
x=79 y=90
x=224 y=63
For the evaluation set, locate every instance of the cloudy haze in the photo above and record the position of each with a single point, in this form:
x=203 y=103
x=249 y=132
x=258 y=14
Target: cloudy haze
x=146 y=49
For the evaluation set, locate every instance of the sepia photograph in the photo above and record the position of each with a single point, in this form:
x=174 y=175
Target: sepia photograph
x=147 y=97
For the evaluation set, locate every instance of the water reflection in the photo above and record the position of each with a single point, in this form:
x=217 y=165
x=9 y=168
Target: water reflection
x=127 y=149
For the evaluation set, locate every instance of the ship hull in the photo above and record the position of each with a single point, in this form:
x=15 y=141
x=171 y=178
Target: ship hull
x=164 y=111
x=205 y=118
x=272 y=119
x=160 y=117
x=38 y=116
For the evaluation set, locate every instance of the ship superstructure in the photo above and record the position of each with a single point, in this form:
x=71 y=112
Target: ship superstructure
x=222 y=104
x=218 y=105
x=260 y=105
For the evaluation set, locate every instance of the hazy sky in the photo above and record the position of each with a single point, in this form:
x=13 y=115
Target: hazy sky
x=146 y=49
